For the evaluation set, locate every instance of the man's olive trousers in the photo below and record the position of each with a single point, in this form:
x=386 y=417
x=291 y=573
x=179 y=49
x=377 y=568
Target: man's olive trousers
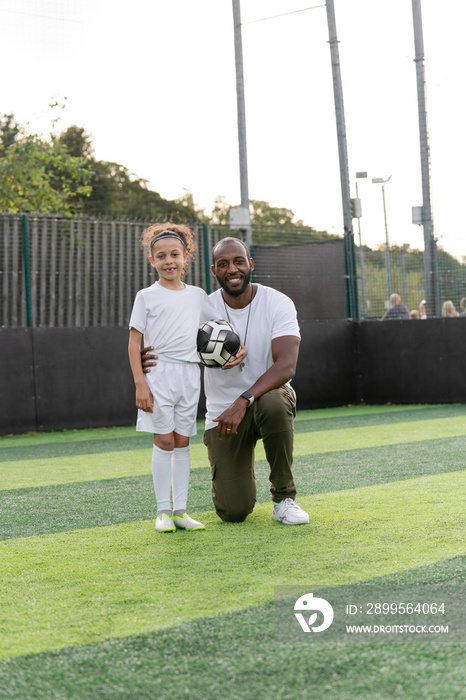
x=271 y=418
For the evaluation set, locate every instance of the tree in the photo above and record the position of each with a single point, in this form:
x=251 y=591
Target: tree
x=118 y=193
x=77 y=142
x=40 y=177
x=263 y=214
x=9 y=131
x=115 y=192
x=271 y=225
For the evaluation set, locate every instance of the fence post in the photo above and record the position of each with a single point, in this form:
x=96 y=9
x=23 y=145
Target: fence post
x=26 y=268
x=205 y=247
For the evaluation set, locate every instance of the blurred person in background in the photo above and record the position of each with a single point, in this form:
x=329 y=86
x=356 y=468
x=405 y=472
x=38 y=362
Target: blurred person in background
x=396 y=311
x=448 y=309
x=463 y=306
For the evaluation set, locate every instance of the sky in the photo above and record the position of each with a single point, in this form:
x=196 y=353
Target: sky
x=153 y=82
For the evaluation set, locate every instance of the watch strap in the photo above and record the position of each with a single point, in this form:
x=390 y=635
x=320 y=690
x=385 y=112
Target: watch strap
x=248 y=396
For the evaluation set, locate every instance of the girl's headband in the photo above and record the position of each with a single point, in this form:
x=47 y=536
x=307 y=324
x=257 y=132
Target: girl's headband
x=168 y=234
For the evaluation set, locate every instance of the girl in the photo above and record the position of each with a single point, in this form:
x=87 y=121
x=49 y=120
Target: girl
x=168 y=313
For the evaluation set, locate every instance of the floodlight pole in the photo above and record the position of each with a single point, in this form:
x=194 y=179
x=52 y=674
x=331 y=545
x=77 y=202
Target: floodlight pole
x=243 y=156
x=350 y=256
x=430 y=249
x=361 y=250
x=381 y=181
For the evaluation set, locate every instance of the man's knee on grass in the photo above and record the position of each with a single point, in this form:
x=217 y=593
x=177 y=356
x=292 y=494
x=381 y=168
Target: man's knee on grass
x=234 y=515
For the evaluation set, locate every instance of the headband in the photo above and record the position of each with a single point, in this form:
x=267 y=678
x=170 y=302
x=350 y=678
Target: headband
x=168 y=234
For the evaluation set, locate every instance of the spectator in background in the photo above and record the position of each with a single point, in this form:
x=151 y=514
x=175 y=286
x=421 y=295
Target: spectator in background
x=448 y=309
x=463 y=306
x=423 y=310
x=397 y=310
x=414 y=314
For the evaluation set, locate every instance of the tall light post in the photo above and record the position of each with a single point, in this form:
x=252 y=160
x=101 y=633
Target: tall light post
x=357 y=213
x=350 y=258
x=430 y=247
x=241 y=218
x=381 y=181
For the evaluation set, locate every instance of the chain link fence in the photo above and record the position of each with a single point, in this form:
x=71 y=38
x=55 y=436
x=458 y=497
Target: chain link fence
x=57 y=272
x=406 y=278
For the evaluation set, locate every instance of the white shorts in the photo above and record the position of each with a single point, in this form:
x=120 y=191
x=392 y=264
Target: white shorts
x=175 y=388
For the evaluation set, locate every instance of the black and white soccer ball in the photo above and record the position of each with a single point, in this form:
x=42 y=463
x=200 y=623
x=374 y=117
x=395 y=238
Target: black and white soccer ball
x=217 y=343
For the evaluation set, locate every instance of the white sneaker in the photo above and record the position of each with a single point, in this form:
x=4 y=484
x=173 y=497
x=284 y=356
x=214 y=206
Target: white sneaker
x=289 y=513
x=185 y=522
x=164 y=523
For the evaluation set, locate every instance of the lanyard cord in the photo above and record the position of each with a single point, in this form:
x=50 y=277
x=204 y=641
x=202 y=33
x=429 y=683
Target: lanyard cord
x=249 y=313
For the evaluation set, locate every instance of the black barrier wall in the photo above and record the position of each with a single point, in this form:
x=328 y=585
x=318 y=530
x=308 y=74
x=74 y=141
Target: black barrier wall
x=57 y=378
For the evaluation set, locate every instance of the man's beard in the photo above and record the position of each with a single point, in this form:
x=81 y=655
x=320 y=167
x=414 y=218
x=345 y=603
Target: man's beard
x=240 y=290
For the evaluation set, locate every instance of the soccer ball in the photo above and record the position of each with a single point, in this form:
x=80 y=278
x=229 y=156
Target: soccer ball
x=217 y=343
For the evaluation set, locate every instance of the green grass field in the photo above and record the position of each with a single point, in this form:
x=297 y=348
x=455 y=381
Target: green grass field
x=95 y=604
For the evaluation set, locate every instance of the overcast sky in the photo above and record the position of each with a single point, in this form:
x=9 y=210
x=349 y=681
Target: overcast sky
x=153 y=81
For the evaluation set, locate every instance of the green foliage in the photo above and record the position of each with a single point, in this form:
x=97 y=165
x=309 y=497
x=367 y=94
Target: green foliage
x=117 y=193
x=9 y=131
x=272 y=225
x=40 y=177
x=61 y=176
x=77 y=142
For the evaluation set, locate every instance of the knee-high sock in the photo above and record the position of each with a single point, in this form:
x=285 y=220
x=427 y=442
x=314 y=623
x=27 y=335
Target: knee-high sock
x=181 y=462
x=161 y=475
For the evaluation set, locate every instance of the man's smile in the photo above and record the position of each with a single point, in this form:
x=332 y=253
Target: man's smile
x=235 y=279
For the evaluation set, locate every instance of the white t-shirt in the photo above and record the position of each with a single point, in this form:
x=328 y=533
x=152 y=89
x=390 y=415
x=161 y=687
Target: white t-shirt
x=169 y=320
x=271 y=315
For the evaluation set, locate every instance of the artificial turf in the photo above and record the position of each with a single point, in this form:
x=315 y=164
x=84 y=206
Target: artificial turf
x=238 y=656
x=68 y=506
x=96 y=605
x=85 y=466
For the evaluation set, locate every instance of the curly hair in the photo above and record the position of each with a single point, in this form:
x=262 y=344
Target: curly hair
x=448 y=309
x=149 y=235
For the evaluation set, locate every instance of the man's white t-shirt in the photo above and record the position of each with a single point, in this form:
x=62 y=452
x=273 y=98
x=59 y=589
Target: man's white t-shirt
x=169 y=320
x=271 y=315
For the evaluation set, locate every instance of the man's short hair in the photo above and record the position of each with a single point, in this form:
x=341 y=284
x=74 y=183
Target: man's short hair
x=229 y=239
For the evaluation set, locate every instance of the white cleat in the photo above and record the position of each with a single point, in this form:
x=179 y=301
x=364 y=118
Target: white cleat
x=185 y=522
x=164 y=523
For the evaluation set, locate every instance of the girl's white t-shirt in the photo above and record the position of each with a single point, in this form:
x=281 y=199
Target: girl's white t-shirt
x=169 y=320
x=271 y=315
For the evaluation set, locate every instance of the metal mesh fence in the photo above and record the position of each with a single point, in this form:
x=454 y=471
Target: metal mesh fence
x=82 y=272
x=406 y=279
x=86 y=272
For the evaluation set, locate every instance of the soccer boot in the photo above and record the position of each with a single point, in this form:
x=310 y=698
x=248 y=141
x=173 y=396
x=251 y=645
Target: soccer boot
x=164 y=523
x=185 y=522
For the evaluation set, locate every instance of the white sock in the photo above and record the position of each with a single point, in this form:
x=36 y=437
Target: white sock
x=161 y=476
x=181 y=463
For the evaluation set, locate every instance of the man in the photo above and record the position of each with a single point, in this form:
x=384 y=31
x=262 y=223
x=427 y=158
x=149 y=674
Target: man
x=253 y=399
x=397 y=310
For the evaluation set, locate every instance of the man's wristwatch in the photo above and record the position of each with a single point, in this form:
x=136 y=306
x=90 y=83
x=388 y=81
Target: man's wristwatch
x=248 y=396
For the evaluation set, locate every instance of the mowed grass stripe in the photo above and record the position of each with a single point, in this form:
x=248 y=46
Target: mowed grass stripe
x=63 y=470
x=66 y=436
x=88 y=585
x=183 y=660
x=47 y=509
x=355 y=419
x=119 y=440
